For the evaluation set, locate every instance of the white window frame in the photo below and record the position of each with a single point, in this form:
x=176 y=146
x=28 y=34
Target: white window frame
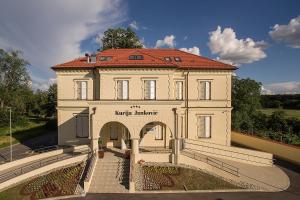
x=179 y=90
x=207 y=126
x=81 y=93
x=124 y=89
x=207 y=90
x=81 y=126
x=151 y=88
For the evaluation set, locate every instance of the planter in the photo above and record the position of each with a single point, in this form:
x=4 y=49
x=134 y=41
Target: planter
x=100 y=154
x=127 y=154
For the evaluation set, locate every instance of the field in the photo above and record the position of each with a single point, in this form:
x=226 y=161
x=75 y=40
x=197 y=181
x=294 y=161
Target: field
x=288 y=113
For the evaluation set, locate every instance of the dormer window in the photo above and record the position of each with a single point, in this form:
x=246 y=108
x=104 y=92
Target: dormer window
x=93 y=58
x=168 y=59
x=177 y=59
x=105 y=58
x=136 y=57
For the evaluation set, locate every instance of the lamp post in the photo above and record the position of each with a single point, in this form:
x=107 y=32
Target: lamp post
x=10 y=140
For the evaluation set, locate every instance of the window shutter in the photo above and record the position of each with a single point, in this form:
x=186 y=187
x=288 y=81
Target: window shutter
x=201 y=126
x=78 y=89
x=119 y=90
x=152 y=89
x=125 y=89
x=179 y=87
x=147 y=88
x=78 y=126
x=207 y=90
x=83 y=89
x=202 y=90
x=207 y=126
x=85 y=126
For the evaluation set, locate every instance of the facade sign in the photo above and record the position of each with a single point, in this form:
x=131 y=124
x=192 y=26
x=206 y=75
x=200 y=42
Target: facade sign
x=141 y=113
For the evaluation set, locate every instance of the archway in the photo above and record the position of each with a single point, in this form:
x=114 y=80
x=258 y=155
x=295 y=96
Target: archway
x=114 y=134
x=155 y=136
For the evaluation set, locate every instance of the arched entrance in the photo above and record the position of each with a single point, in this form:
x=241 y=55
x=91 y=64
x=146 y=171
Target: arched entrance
x=114 y=134
x=155 y=136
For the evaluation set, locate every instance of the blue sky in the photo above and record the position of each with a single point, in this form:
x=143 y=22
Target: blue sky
x=271 y=58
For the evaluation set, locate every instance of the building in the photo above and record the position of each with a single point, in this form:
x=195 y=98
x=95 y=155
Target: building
x=142 y=98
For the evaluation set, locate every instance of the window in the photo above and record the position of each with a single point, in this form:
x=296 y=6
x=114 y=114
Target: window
x=204 y=90
x=204 y=126
x=150 y=89
x=168 y=59
x=179 y=90
x=122 y=89
x=136 y=57
x=105 y=58
x=82 y=126
x=113 y=133
x=81 y=90
x=177 y=59
x=158 y=133
x=93 y=58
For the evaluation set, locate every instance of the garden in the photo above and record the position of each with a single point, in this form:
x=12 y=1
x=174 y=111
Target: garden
x=58 y=183
x=180 y=178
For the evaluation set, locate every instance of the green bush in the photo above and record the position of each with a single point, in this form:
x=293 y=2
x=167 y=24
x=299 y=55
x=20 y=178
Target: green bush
x=52 y=124
x=16 y=119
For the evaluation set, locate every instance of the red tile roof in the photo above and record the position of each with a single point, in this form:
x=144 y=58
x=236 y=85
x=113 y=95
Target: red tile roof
x=151 y=58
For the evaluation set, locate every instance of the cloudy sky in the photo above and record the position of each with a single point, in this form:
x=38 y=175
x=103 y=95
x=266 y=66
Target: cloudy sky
x=261 y=37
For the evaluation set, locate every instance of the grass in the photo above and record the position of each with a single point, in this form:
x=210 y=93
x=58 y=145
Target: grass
x=178 y=178
x=20 y=134
x=289 y=113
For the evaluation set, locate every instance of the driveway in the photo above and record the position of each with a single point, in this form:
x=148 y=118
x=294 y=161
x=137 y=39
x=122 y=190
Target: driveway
x=26 y=148
x=293 y=192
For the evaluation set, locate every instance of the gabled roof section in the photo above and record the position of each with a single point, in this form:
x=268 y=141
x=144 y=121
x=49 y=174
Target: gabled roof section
x=152 y=58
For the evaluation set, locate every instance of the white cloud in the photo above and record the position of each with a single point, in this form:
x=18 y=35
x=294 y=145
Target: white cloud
x=41 y=84
x=292 y=87
x=237 y=51
x=193 y=50
x=289 y=34
x=134 y=25
x=51 y=31
x=168 y=41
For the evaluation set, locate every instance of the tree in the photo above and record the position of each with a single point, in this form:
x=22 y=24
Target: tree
x=120 y=38
x=245 y=101
x=14 y=80
x=51 y=100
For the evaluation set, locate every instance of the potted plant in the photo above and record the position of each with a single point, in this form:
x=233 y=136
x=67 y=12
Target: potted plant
x=101 y=150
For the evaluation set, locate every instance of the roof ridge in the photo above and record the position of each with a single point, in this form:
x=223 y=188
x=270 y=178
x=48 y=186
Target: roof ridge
x=163 y=60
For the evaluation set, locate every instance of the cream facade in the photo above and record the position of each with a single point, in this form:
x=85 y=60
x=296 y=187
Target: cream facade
x=154 y=122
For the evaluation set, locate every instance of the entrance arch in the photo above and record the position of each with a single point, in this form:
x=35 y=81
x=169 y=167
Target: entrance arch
x=155 y=135
x=114 y=134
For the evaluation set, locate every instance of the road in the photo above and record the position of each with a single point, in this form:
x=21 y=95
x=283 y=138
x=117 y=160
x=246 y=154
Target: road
x=293 y=192
x=26 y=148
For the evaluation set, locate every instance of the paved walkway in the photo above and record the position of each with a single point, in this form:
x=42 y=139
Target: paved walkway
x=111 y=173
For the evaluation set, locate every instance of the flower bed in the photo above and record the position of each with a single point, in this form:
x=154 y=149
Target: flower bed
x=179 y=178
x=58 y=183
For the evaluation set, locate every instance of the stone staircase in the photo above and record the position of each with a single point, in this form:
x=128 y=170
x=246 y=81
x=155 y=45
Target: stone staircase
x=111 y=174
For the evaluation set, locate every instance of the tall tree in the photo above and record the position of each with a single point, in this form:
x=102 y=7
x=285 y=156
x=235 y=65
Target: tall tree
x=120 y=38
x=245 y=102
x=14 y=80
x=51 y=100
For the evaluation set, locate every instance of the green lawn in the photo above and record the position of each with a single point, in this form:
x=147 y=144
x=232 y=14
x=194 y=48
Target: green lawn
x=288 y=113
x=20 y=134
